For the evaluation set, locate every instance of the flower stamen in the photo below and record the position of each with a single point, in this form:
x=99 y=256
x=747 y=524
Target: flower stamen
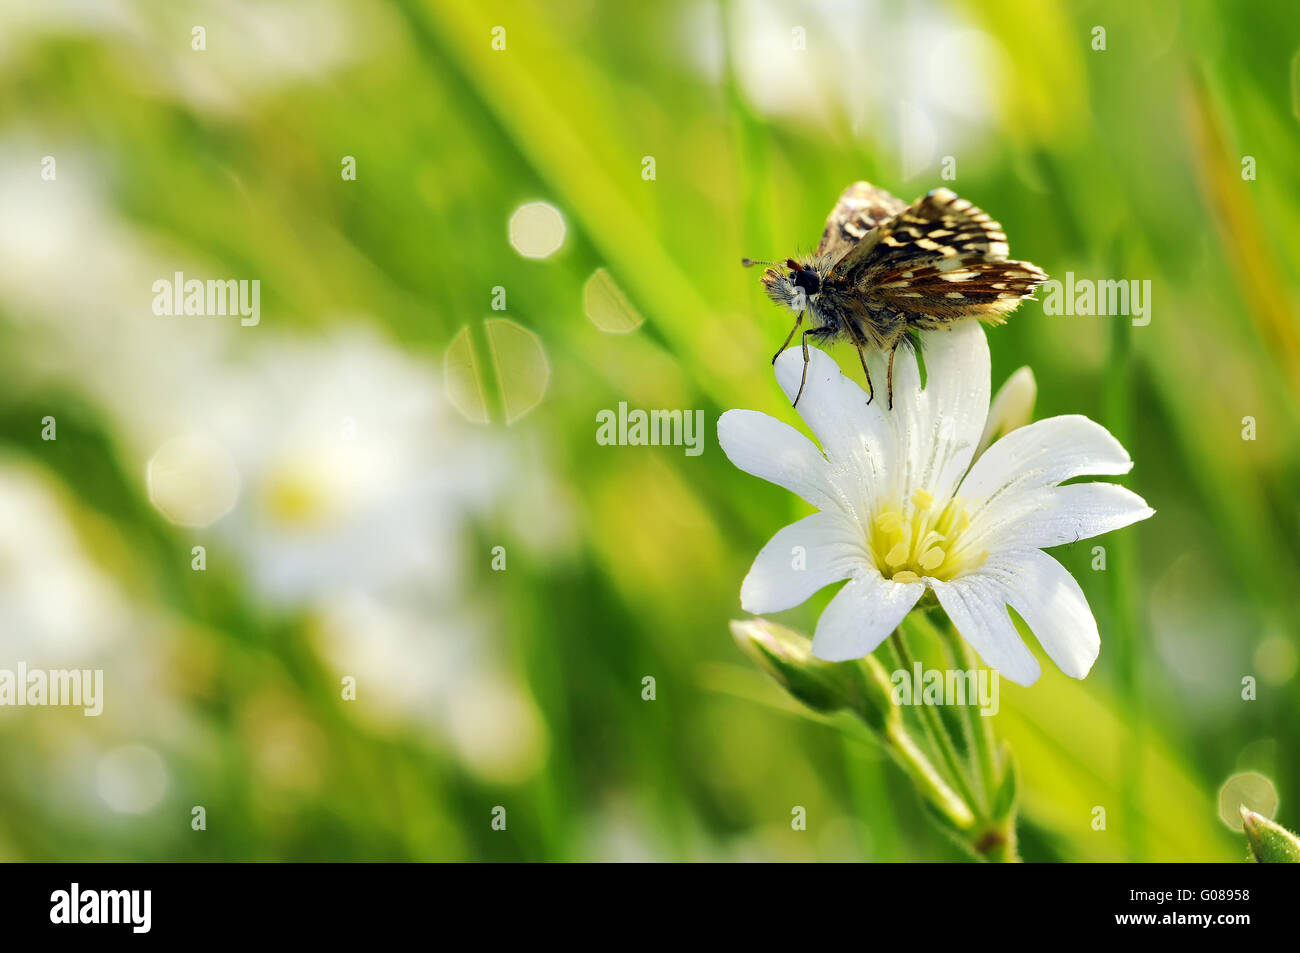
x=890 y=521
x=932 y=559
x=924 y=542
x=899 y=554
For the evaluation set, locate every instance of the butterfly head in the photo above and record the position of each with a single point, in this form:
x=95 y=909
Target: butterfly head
x=804 y=279
x=791 y=283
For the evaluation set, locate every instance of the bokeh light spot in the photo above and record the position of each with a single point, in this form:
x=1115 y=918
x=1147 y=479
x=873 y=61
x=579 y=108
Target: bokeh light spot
x=606 y=305
x=522 y=369
x=463 y=378
x=537 y=230
x=1250 y=788
x=131 y=779
x=193 y=480
x=1276 y=660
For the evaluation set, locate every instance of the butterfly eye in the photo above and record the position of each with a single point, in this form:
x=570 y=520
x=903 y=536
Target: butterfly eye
x=806 y=279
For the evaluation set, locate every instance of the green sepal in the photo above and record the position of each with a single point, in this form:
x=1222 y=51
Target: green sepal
x=1269 y=843
x=1008 y=792
x=823 y=686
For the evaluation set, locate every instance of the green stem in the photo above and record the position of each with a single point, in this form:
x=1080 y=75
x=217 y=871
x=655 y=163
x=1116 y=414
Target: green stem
x=998 y=844
x=981 y=726
x=993 y=839
x=936 y=730
x=909 y=756
x=1123 y=572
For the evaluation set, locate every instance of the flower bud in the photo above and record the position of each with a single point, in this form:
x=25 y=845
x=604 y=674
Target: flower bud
x=860 y=685
x=1012 y=408
x=1269 y=842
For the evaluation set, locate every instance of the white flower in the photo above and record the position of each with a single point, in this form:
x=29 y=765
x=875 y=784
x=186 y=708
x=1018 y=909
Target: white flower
x=904 y=509
x=355 y=471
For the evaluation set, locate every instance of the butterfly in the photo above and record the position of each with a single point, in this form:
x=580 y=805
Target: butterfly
x=884 y=268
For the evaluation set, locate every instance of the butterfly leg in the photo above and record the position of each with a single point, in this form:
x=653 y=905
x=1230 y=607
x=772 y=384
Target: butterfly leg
x=804 y=341
x=789 y=337
x=890 y=374
x=871 y=390
x=804 y=379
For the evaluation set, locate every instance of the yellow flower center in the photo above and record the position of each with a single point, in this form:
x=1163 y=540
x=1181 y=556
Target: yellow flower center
x=916 y=539
x=298 y=496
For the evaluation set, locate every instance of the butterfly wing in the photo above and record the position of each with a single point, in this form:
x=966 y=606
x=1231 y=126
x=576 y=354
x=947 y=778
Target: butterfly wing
x=861 y=208
x=932 y=297
x=939 y=260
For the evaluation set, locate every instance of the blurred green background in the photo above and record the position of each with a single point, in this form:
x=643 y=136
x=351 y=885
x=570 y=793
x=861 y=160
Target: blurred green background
x=371 y=556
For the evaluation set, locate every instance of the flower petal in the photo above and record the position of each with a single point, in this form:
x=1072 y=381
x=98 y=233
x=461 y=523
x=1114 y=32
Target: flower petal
x=1054 y=607
x=938 y=427
x=1044 y=453
x=862 y=615
x=776 y=452
x=832 y=550
x=1051 y=516
x=976 y=604
x=858 y=441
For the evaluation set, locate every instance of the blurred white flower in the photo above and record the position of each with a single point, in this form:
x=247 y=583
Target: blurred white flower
x=61 y=609
x=77 y=285
x=406 y=658
x=354 y=471
x=915 y=76
x=247 y=46
x=358 y=485
x=903 y=509
x=57 y=608
x=497 y=730
x=437 y=671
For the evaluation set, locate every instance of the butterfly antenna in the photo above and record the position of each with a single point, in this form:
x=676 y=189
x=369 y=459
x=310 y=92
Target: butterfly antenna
x=751 y=262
